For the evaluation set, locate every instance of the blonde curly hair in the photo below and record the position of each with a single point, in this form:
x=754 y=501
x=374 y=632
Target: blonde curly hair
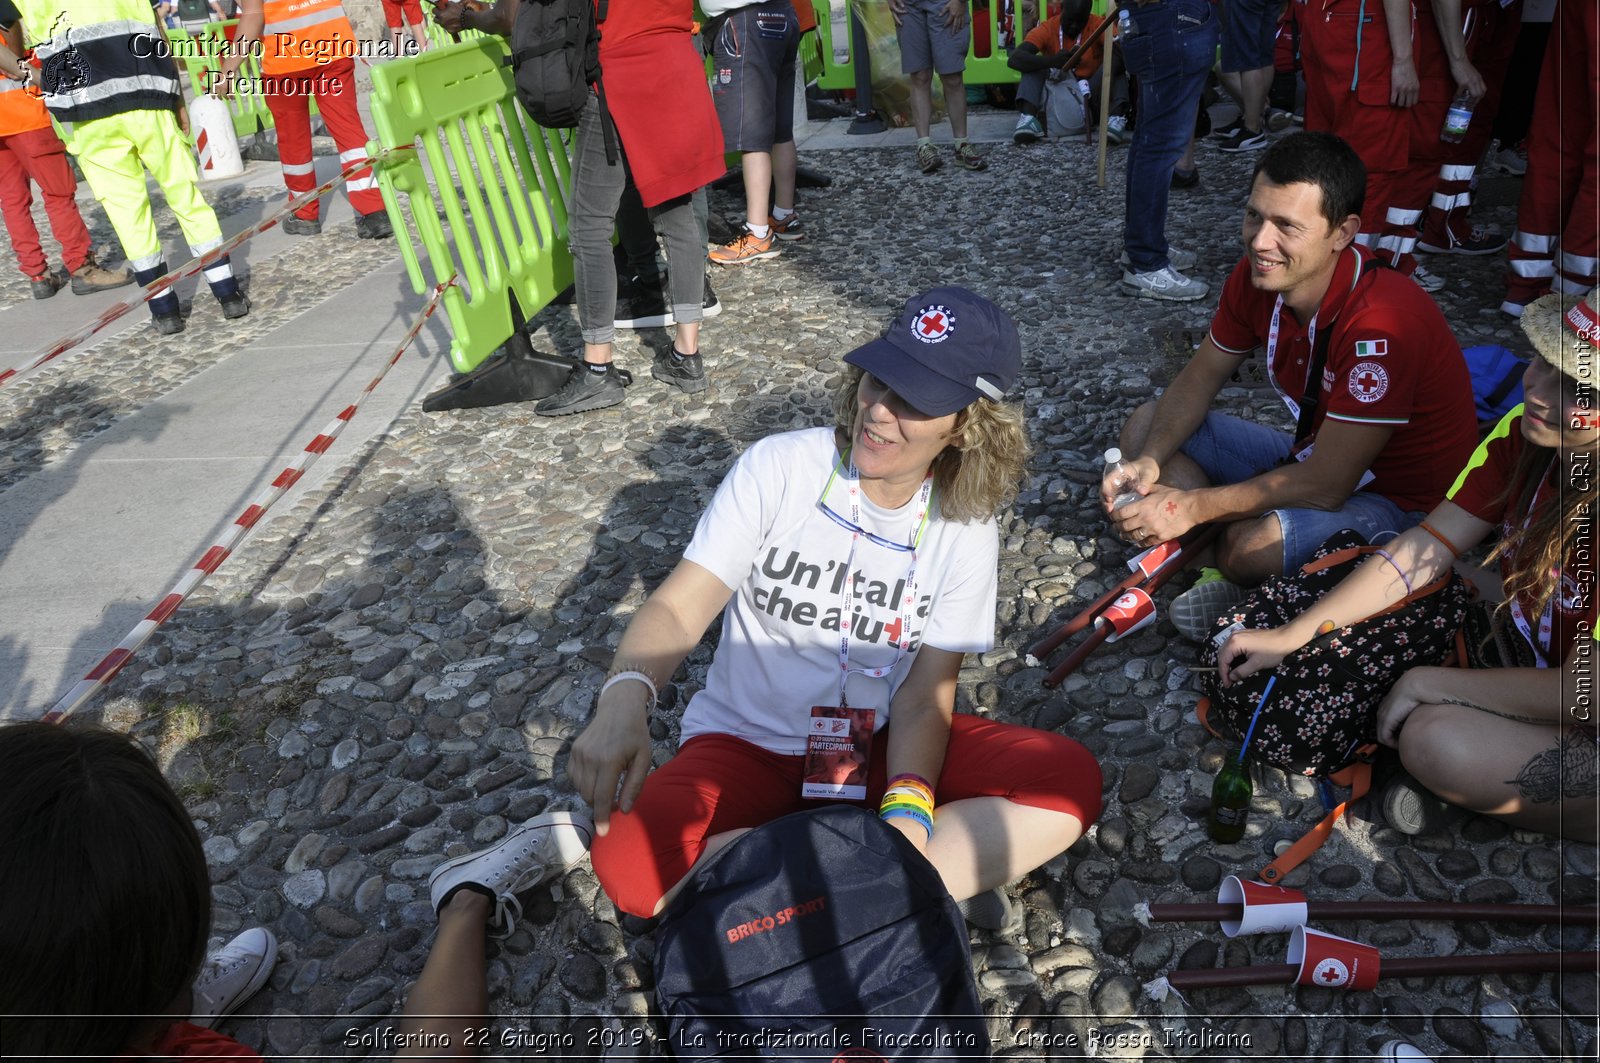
x=979 y=473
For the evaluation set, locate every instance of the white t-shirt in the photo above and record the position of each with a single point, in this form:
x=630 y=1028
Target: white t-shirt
x=765 y=536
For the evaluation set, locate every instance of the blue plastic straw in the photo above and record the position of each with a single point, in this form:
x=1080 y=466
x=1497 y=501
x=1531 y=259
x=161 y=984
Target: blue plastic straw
x=1265 y=694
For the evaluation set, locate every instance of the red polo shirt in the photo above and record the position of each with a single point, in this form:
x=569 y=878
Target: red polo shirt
x=1392 y=360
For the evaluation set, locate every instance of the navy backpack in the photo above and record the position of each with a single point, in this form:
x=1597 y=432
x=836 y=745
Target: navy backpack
x=821 y=935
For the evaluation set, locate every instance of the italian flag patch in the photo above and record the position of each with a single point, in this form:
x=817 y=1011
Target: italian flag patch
x=1372 y=348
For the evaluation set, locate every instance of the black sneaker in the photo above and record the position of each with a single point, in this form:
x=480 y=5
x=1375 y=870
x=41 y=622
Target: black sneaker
x=1185 y=178
x=584 y=390
x=687 y=373
x=235 y=305
x=170 y=323
x=296 y=226
x=374 y=226
x=713 y=305
x=1242 y=139
x=1222 y=132
x=47 y=283
x=642 y=303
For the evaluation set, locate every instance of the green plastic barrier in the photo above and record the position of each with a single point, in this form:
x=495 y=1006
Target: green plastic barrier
x=504 y=233
x=981 y=70
x=835 y=73
x=203 y=53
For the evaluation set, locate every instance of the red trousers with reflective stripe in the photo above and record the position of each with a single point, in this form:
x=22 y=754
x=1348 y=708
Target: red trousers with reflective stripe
x=1556 y=241
x=1332 y=61
x=334 y=87
x=1491 y=33
x=39 y=156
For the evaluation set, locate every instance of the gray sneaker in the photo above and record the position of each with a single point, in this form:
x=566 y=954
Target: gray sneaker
x=1427 y=280
x=1177 y=258
x=992 y=910
x=686 y=372
x=1167 y=284
x=1194 y=612
x=584 y=391
x=232 y=975
x=541 y=850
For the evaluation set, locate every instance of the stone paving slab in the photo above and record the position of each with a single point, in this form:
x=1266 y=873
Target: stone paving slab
x=390 y=672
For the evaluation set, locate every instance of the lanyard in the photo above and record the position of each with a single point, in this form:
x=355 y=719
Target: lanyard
x=908 y=601
x=1272 y=355
x=1541 y=645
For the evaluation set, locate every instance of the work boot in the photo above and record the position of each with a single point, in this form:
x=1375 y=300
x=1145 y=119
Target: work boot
x=93 y=277
x=374 y=226
x=47 y=283
x=235 y=305
x=170 y=323
x=295 y=225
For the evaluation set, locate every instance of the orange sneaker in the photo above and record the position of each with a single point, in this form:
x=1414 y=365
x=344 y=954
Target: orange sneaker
x=747 y=248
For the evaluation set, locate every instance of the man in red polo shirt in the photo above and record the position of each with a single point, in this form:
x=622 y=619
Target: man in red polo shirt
x=1390 y=409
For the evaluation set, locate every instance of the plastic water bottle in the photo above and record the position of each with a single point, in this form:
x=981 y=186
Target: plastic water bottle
x=1230 y=800
x=1123 y=478
x=1458 y=118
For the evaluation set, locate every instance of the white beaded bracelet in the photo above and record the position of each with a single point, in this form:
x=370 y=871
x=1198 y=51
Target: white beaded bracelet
x=640 y=676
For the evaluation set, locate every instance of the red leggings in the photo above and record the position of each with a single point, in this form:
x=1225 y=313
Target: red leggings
x=649 y=850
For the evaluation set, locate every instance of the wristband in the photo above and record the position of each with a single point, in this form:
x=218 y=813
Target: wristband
x=1448 y=545
x=635 y=675
x=926 y=822
x=1387 y=556
x=908 y=778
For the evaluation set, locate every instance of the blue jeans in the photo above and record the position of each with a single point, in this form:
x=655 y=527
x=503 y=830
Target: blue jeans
x=1229 y=450
x=1170 y=46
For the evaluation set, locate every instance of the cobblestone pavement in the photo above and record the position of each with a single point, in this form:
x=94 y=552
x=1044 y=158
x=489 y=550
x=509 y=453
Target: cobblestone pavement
x=391 y=673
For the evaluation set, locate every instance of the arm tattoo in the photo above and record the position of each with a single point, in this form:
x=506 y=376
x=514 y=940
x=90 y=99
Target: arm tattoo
x=1502 y=713
x=1172 y=507
x=1566 y=770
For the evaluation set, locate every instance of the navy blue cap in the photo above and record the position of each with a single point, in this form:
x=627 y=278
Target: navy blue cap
x=947 y=349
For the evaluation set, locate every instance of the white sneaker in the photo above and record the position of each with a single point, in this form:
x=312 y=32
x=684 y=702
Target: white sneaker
x=232 y=975
x=1426 y=280
x=1117 y=129
x=1177 y=258
x=1166 y=284
x=1028 y=131
x=1402 y=1052
x=541 y=850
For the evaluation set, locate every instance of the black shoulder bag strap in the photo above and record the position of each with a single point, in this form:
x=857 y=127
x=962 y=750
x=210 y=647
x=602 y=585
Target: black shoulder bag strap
x=1319 y=359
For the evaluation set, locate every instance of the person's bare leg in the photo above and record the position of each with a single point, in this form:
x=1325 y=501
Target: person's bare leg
x=955 y=103
x=1254 y=86
x=1250 y=550
x=419 y=32
x=921 y=101
x=396 y=35
x=758 y=171
x=1186 y=160
x=984 y=842
x=449 y=1005
x=686 y=337
x=1533 y=775
x=597 y=353
x=714 y=844
x=784 y=162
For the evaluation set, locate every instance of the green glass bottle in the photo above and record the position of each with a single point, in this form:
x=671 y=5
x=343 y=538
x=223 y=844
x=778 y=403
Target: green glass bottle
x=1230 y=800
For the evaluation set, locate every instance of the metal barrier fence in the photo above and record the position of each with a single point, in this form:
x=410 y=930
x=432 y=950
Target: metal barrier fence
x=499 y=180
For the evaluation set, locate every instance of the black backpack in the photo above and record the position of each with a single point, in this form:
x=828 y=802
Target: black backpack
x=555 y=56
x=820 y=935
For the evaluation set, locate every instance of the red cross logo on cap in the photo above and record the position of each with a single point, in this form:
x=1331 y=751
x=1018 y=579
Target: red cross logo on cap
x=933 y=324
x=1369 y=381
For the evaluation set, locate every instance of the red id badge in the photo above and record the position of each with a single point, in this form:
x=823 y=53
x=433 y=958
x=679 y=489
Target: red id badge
x=838 y=749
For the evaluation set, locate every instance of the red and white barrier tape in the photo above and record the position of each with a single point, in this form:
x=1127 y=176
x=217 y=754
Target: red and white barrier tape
x=110 y=314
x=112 y=663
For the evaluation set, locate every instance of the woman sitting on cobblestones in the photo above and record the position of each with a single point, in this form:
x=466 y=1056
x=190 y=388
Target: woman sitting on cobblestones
x=1516 y=741
x=105 y=903
x=901 y=495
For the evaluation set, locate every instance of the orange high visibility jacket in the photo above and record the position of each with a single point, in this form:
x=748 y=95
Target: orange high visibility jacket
x=304 y=34
x=19 y=111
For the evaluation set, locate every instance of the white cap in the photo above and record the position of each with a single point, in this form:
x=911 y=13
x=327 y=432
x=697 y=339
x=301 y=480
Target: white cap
x=1113 y=456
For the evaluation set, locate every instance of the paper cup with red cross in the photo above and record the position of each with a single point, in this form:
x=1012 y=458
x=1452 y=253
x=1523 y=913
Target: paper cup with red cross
x=1148 y=562
x=1267 y=909
x=1133 y=610
x=1332 y=962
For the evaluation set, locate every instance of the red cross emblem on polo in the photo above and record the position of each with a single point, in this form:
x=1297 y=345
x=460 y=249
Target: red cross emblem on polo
x=1369 y=381
x=933 y=324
